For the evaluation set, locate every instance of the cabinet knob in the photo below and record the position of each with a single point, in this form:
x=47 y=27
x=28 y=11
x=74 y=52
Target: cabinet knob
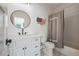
x=19 y=33
x=25 y=47
x=36 y=46
x=36 y=54
x=36 y=39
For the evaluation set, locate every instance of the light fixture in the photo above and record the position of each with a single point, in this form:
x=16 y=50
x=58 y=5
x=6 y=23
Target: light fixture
x=28 y=4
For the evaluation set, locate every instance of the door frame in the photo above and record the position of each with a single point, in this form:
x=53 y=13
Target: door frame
x=4 y=29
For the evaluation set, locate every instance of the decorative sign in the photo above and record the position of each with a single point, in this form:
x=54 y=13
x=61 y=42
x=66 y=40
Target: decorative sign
x=41 y=21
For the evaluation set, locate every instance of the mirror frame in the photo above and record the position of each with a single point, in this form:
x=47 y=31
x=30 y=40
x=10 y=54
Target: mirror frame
x=24 y=19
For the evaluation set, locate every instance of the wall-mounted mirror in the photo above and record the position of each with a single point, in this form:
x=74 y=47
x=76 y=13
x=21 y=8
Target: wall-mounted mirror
x=20 y=19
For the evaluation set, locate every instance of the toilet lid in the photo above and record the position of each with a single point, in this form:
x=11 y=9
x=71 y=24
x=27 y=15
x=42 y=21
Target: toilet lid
x=49 y=44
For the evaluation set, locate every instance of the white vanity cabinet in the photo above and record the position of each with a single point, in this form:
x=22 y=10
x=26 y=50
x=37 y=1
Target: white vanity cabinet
x=26 y=46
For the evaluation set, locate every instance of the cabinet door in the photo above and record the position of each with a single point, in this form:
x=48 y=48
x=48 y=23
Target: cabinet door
x=27 y=46
x=18 y=45
x=22 y=47
x=27 y=51
x=19 y=52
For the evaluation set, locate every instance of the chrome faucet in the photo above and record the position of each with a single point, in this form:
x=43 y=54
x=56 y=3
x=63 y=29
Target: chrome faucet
x=22 y=33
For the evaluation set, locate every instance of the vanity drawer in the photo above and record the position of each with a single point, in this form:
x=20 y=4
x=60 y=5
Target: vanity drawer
x=35 y=53
x=37 y=48
x=35 y=41
x=20 y=44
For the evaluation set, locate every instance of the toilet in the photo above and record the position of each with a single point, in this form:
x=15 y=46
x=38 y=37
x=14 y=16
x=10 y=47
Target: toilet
x=48 y=48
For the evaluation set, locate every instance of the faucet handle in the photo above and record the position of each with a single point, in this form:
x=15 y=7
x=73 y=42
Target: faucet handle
x=25 y=33
x=19 y=33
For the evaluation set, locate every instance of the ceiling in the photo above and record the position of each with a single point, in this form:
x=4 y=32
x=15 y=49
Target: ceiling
x=48 y=5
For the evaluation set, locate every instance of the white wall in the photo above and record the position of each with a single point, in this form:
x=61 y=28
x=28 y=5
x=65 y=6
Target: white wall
x=34 y=11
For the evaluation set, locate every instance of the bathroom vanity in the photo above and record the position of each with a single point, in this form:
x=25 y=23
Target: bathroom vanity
x=25 y=46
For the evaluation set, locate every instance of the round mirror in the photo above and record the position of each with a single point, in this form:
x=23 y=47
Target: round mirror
x=20 y=19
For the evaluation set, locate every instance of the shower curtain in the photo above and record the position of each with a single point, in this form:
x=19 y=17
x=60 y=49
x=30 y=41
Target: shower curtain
x=56 y=29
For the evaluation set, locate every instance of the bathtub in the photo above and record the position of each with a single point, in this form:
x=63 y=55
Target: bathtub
x=66 y=51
